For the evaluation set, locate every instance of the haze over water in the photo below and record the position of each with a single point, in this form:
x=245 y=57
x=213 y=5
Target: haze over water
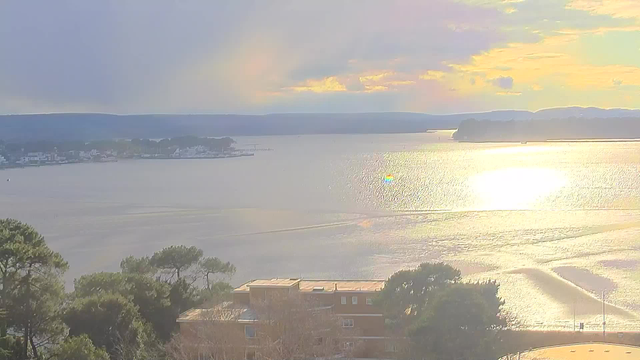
x=554 y=223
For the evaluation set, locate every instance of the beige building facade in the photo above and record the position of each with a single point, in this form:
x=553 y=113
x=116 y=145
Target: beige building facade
x=350 y=302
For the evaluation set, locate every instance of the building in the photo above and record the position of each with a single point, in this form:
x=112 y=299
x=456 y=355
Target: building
x=351 y=301
x=35 y=157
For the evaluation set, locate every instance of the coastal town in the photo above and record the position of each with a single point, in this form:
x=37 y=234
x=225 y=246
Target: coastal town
x=39 y=154
x=55 y=158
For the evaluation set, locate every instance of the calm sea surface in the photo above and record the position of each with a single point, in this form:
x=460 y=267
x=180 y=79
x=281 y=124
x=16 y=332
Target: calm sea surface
x=555 y=223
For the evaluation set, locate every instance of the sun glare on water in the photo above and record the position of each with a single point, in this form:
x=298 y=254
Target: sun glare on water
x=515 y=188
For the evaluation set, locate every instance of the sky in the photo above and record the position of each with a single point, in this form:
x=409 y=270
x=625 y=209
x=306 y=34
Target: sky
x=270 y=56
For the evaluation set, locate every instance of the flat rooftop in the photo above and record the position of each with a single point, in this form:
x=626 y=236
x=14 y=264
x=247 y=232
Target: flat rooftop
x=316 y=286
x=226 y=311
x=272 y=283
x=584 y=352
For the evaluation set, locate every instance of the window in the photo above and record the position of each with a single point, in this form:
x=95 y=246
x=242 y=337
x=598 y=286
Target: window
x=347 y=322
x=249 y=355
x=354 y=300
x=369 y=301
x=391 y=347
x=249 y=331
x=318 y=341
x=348 y=345
x=343 y=300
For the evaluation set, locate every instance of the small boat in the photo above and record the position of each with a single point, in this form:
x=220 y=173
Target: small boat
x=523 y=142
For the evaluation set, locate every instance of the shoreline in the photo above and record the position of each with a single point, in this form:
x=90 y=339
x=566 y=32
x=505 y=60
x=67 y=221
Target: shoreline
x=549 y=141
x=194 y=158
x=26 y=166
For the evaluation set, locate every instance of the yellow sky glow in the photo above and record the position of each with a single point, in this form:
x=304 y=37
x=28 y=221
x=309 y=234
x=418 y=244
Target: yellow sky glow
x=565 y=62
x=328 y=84
x=615 y=8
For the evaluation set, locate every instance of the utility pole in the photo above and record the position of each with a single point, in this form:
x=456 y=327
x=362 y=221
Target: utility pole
x=604 y=321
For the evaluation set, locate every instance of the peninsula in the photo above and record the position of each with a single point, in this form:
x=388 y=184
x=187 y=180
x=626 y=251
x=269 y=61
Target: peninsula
x=572 y=128
x=38 y=153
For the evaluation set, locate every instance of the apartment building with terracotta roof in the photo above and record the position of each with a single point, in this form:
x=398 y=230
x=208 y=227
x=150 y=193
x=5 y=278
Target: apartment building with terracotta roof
x=350 y=301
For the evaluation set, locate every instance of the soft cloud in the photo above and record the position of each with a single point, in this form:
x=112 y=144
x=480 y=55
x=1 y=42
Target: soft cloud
x=615 y=8
x=432 y=75
x=547 y=61
x=504 y=82
x=215 y=56
x=509 y=93
x=328 y=84
x=318 y=55
x=375 y=77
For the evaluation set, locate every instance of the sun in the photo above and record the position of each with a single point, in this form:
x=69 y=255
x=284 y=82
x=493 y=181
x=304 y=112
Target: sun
x=515 y=188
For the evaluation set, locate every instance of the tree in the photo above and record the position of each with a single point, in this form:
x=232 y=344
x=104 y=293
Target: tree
x=216 y=293
x=111 y=322
x=212 y=265
x=78 y=348
x=26 y=265
x=405 y=293
x=152 y=297
x=461 y=322
x=176 y=259
x=149 y=295
x=183 y=296
x=140 y=266
x=100 y=283
x=38 y=310
x=11 y=348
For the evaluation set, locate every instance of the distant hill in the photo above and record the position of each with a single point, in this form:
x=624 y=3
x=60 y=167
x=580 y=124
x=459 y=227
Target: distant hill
x=80 y=126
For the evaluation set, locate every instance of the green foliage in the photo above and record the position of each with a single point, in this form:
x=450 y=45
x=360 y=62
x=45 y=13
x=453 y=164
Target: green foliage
x=176 y=259
x=141 y=266
x=78 y=348
x=23 y=248
x=406 y=292
x=100 y=283
x=184 y=142
x=216 y=293
x=124 y=313
x=444 y=318
x=213 y=266
x=149 y=295
x=462 y=322
x=11 y=348
x=158 y=302
x=183 y=295
x=37 y=310
x=110 y=321
x=30 y=286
